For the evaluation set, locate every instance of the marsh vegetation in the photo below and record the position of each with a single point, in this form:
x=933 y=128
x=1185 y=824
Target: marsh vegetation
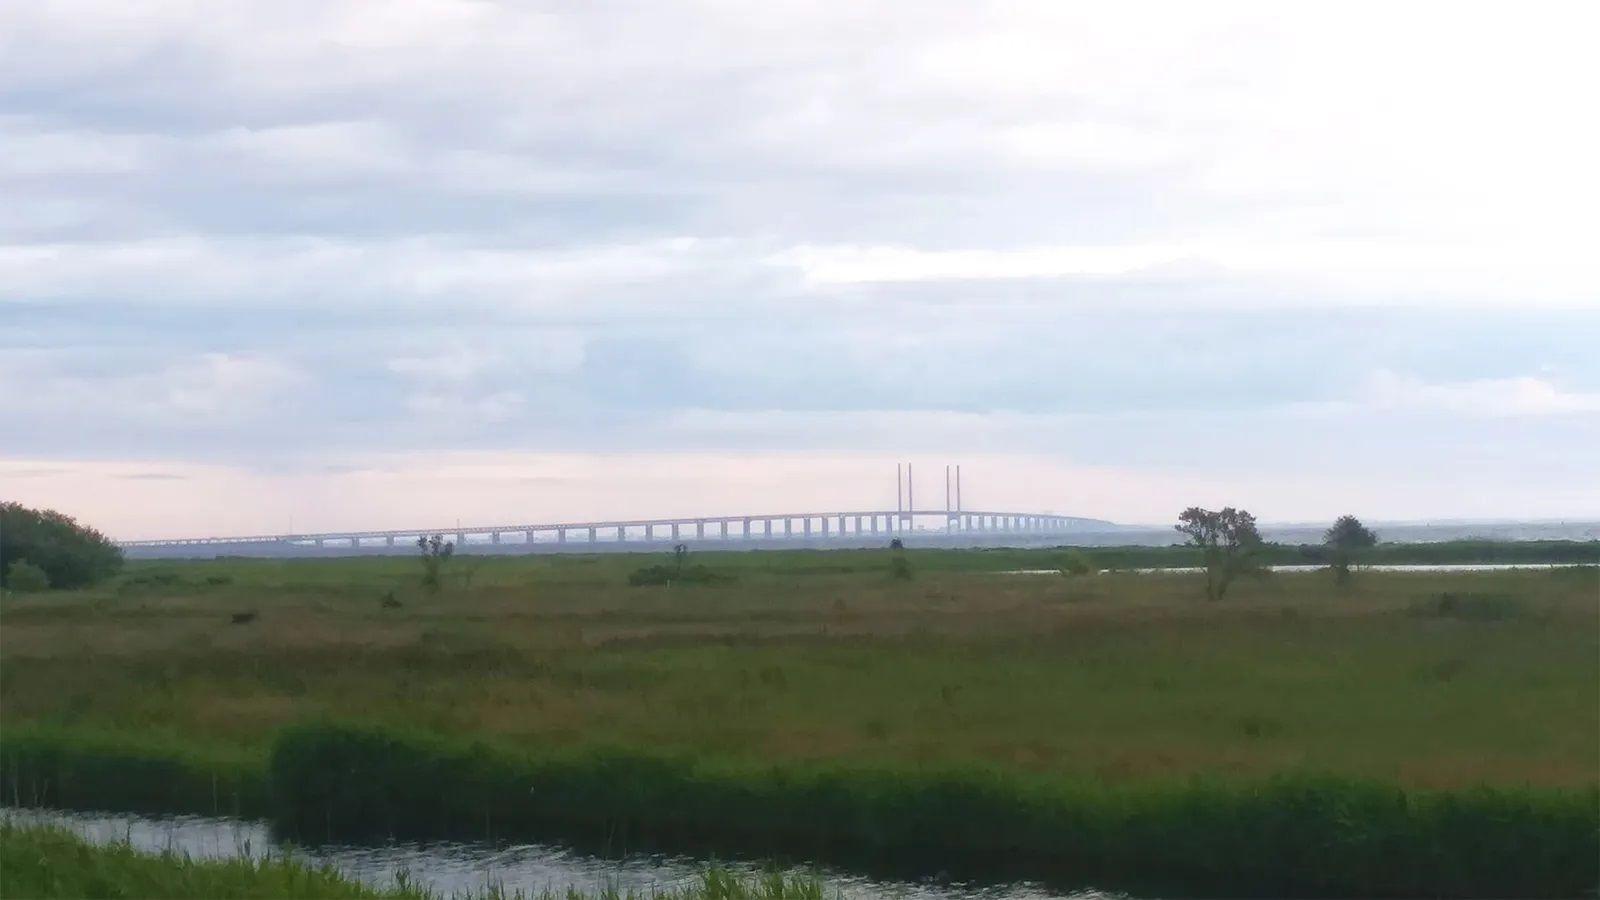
x=1109 y=726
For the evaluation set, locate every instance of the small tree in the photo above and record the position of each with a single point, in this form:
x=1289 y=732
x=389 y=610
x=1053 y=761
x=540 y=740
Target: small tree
x=25 y=577
x=680 y=555
x=1229 y=540
x=1345 y=541
x=899 y=566
x=436 y=551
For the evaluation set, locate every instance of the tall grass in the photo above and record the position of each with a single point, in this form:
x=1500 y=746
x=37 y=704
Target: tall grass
x=1295 y=835
x=48 y=863
x=79 y=770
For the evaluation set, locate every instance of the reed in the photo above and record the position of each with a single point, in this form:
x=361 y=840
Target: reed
x=1292 y=835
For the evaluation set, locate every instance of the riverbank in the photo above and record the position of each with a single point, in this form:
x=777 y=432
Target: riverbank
x=44 y=863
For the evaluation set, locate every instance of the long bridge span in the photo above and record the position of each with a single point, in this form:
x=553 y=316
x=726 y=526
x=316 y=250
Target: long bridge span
x=814 y=527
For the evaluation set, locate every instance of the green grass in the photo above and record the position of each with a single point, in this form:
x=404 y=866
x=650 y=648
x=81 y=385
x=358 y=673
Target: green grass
x=40 y=863
x=819 y=662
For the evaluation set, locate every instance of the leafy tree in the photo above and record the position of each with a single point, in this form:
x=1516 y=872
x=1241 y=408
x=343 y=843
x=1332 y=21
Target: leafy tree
x=436 y=551
x=899 y=566
x=71 y=555
x=1229 y=540
x=1345 y=540
x=24 y=577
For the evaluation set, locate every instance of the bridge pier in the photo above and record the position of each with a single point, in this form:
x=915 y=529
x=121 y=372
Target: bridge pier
x=724 y=524
x=561 y=536
x=388 y=540
x=622 y=534
x=594 y=535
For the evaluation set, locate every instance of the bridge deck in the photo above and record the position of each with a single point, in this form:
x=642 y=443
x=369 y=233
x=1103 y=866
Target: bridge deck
x=749 y=525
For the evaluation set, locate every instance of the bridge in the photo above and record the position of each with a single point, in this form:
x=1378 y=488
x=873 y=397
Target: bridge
x=858 y=525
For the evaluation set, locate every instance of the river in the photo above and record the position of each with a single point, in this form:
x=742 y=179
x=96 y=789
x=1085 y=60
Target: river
x=446 y=867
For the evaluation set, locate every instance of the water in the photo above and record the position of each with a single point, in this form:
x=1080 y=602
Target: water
x=1398 y=567
x=451 y=867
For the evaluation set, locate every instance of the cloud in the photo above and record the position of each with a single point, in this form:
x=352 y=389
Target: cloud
x=1115 y=233
x=1496 y=397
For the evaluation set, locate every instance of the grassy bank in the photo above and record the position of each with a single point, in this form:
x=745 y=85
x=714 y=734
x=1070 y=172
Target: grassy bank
x=1287 y=836
x=52 y=864
x=1291 y=835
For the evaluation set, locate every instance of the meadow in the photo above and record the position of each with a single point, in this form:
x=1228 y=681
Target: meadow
x=821 y=674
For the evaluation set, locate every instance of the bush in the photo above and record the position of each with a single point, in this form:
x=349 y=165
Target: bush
x=70 y=554
x=1078 y=562
x=24 y=576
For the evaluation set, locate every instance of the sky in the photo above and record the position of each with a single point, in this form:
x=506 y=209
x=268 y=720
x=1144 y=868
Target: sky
x=322 y=265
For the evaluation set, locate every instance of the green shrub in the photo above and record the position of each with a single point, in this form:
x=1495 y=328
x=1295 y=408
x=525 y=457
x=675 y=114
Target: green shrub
x=1077 y=562
x=25 y=577
x=70 y=554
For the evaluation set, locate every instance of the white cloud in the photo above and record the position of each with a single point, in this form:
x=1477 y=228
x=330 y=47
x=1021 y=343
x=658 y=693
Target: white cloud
x=1497 y=397
x=199 y=392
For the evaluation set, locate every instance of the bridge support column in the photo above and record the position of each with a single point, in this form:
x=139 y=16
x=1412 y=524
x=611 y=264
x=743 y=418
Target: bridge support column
x=788 y=527
x=494 y=537
x=561 y=536
x=724 y=524
x=388 y=540
x=674 y=531
x=766 y=528
x=807 y=521
x=594 y=535
x=622 y=534
x=747 y=529
x=700 y=529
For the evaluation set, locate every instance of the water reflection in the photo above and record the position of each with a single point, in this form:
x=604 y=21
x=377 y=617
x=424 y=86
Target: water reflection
x=451 y=867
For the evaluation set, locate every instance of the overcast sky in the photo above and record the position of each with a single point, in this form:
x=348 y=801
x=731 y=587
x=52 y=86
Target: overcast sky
x=330 y=265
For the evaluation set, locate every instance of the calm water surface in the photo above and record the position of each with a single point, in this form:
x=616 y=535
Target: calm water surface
x=1419 y=567
x=446 y=867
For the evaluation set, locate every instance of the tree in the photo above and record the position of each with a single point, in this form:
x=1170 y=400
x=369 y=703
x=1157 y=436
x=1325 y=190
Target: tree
x=1345 y=540
x=436 y=551
x=899 y=566
x=1229 y=540
x=70 y=554
x=25 y=577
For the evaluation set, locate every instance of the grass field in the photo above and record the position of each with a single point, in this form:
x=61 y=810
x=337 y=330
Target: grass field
x=810 y=656
x=815 y=661
x=47 y=864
